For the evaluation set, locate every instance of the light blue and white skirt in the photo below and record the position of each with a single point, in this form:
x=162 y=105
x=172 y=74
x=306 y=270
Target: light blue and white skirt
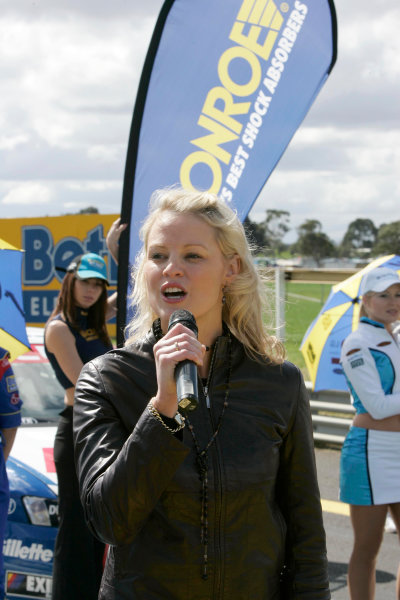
x=370 y=467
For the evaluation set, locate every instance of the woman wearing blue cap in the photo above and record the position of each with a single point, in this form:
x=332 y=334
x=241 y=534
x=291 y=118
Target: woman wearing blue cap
x=75 y=333
x=370 y=465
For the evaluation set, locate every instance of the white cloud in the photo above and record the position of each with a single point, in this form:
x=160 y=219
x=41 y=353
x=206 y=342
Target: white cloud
x=70 y=78
x=96 y=186
x=12 y=141
x=70 y=71
x=27 y=194
x=103 y=153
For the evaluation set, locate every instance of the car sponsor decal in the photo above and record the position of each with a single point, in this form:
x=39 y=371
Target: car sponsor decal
x=37 y=355
x=16 y=549
x=34 y=446
x=11 y=384
x=12 y=505
x=358 y=362
x=48 y=454
x=28 y=585
x=30 y=552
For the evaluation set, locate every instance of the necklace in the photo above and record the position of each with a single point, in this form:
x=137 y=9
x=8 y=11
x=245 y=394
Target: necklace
x=157 y=331
x=202 y=455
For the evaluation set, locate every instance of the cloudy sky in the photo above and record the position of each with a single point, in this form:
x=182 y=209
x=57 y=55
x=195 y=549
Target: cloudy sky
x=69 y=71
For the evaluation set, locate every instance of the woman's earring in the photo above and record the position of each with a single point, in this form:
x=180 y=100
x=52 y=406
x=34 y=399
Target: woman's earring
x=224 y=289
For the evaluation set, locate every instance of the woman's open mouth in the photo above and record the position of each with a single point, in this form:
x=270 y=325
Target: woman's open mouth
x=174 y=293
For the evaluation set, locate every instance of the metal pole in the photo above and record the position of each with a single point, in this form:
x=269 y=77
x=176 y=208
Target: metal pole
x=280 y=303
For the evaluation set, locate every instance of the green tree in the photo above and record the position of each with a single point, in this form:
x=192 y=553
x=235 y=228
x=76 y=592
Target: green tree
x=255 y=233
x=89 y=210
x=276 y=225
x=313 y=242
x=360 y=234
x=388 y=239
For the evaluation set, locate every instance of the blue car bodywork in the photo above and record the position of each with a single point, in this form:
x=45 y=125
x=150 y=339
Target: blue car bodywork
x=28 y=547
x=33 y=509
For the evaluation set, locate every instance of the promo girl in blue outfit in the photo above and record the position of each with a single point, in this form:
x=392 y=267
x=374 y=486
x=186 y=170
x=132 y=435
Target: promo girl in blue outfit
x=10 y=419
x=75 y=334
x=370 y=460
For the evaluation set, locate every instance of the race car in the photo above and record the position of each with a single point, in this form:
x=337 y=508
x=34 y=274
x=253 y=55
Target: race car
x=33 y=509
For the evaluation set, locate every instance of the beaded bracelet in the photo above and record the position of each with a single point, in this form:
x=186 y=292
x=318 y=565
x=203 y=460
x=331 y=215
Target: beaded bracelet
x=154 y=412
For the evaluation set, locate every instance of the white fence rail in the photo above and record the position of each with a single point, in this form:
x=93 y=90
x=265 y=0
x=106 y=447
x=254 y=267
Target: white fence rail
x=332 y=414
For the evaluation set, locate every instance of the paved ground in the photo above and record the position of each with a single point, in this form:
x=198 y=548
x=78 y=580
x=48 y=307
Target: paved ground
x=339 y=535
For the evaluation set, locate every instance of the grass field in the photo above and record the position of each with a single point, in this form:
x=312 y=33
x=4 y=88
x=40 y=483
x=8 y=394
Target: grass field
x=303 y=301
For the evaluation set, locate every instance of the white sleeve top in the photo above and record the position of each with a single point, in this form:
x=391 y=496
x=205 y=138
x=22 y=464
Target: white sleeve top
x=370 y=358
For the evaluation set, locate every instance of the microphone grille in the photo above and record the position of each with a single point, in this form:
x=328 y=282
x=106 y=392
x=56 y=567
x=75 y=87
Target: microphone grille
x=185 y=317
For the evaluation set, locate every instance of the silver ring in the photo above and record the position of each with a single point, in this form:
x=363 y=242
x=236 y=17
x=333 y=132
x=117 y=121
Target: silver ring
x=177 y=346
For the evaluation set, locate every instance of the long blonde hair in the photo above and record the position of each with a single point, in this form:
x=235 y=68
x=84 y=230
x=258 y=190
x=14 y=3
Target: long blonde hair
x=246 y=298
x=363 y=310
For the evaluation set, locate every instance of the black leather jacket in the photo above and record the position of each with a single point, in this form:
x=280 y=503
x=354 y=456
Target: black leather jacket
x=141 y=491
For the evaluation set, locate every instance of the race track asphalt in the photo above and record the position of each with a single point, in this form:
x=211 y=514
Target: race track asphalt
x=339 y=533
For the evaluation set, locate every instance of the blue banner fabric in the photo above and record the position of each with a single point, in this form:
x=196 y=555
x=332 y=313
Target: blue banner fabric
x=225 y=85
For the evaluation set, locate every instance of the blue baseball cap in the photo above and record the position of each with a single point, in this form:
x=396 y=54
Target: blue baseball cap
x=91 y=265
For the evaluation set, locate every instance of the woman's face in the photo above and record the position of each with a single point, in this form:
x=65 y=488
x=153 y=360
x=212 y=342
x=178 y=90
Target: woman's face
x=185 y=268
x=87 y=291
x=384 y=307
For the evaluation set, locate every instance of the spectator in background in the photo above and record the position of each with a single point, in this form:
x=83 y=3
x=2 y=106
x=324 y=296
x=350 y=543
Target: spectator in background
x=370 y=459
x=75 y=333
x=10 y=420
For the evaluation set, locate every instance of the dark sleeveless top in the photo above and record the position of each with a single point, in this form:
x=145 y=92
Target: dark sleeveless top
x=88 y=345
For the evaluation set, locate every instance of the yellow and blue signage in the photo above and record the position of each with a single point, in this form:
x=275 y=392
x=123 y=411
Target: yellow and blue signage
x=225 y=85
x=50 y=244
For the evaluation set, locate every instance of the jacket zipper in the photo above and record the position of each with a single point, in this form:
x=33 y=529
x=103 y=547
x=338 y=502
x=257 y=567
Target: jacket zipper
x=217 y=474
x=207 y=386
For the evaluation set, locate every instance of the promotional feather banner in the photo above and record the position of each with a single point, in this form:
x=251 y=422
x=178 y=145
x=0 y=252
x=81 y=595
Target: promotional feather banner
x=225 y=85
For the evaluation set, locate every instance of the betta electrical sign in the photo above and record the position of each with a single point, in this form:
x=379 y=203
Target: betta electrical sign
x=50 y=244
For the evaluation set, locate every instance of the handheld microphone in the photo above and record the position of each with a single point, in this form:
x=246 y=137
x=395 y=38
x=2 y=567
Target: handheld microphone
x=186 y=370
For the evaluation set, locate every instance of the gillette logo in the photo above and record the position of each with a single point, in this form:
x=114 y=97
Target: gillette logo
x=16 y=549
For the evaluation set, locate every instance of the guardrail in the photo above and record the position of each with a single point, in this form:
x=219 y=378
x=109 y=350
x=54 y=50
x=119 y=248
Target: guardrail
x=332 y=414
x=317 y=275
